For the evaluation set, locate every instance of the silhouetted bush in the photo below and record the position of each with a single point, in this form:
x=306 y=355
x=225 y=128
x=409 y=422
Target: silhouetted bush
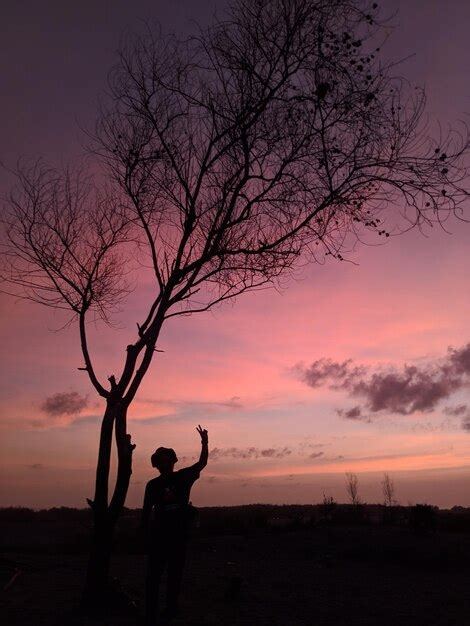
x=423 y=519
x=327 y=510
x=16 y=514
x=64 y=514
x=457 y=519
x=67 y=530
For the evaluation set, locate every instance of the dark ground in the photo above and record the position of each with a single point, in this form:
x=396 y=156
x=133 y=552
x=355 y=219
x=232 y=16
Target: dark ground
x=341 y=576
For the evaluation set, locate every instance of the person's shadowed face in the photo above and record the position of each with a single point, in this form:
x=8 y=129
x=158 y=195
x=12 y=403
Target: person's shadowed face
x=166 y=465
x=164 y=460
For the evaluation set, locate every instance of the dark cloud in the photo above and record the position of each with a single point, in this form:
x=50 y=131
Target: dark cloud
x=67 y=403
x=403 y=391
x=249 y=453
x=407 y=391
x=275 y=452
x=316 y=455
x=460 y=359
x=457 y=411
x=36 y=466
x=466 y=424
x=355 y=413
x=461 y=410
x=327 y=371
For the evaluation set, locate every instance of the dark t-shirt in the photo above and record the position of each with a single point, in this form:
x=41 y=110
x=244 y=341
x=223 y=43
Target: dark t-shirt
x=167 y=497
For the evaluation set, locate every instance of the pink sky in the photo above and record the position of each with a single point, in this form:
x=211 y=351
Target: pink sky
x=232 y=370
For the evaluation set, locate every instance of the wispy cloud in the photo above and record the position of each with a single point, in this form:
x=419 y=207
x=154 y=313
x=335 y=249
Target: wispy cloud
x=249 y=453
x=36 y=466
x=182 y=409
x=85 y=420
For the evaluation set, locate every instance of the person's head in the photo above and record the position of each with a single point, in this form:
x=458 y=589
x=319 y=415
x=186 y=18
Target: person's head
x=164 y=460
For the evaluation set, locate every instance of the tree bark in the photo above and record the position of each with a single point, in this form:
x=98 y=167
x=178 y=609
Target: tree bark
x=96 y=592
x=105 y=513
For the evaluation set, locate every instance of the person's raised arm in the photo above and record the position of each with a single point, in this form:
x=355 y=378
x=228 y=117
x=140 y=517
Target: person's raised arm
x=201 y=464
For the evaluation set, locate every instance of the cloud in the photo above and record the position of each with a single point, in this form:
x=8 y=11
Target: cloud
x=355 y=413
x=36 y=466
x=460 y=410
x=460 y=359
x=407 y=391
x=466 y=424
x=457 y=411
x=85 y=420
x=20 y=423
x=66 y=403
x=249 y=453
x=183 y=410
x=401 y=390
x=327 y=371
x=310 y=444
x=463 y=411
x=316 y=455
x=233 y=403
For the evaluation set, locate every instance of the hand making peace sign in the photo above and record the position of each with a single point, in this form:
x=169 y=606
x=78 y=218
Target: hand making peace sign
x=204 y=434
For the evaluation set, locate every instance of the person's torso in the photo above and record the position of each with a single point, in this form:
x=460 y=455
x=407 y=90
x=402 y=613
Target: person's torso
x=170 y=499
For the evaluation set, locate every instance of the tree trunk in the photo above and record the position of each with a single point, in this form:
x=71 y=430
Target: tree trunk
x=105 y=514
x=96 y=592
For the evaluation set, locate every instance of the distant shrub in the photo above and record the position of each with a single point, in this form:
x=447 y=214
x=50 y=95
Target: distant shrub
x=423 y=519
x=327 y=509
x=457 y=519
x=64 y=514
x=16 y=514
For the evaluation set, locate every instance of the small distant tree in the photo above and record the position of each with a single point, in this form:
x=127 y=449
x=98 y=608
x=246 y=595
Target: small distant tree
x=388 y=490
x=274 y=138
x=352 y=488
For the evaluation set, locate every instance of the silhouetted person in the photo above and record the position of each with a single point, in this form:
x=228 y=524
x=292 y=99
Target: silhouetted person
x=166 y=517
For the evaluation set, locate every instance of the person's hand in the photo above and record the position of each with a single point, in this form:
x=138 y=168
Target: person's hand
x=204 y=434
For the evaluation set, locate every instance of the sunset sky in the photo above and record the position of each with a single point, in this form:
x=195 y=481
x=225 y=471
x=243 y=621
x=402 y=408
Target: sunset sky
x=295 y=388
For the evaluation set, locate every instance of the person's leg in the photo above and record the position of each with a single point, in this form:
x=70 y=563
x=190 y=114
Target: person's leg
x=176 y=560
x=156 y=561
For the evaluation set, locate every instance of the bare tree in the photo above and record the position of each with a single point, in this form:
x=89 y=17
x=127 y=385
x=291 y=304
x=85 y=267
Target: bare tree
x=388 y=490
x=272 y=139
x=352 y=488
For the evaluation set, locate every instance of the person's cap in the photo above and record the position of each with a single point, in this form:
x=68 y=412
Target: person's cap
x=163 y=452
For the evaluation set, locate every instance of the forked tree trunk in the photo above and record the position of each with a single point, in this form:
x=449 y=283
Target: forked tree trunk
x=105 y=512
